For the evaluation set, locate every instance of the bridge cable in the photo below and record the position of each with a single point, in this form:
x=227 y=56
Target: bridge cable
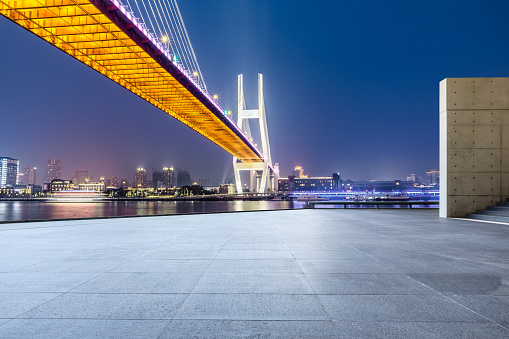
x=169 y=22
x=179 y=49
x=162 y=23
x=190 y=44
x=146 y=11
x=155 y=19
x=178 y=29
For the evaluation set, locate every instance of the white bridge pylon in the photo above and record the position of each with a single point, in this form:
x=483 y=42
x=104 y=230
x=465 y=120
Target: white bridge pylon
x=263 y=177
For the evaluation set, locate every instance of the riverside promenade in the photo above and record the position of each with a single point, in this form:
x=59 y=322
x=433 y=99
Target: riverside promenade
x=322 y=273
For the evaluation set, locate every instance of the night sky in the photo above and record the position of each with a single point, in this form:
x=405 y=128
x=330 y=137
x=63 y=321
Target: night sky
x=350 y=87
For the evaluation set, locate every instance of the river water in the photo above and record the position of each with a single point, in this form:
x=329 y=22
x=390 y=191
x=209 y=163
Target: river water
x=35 y=210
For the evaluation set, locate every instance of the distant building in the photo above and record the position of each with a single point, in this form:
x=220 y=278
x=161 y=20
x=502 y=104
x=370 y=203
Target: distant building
x=226 y=189
x=183 y=178
x=203 y=182
x=298 y=172
x=54 y=169
x=382 y=186
x=313 y=184
x=61 y=185
x=433 y=178
x=29 y=175
x=119 y=183
x=414 y=178
x=81 y=177
x=106 y=182
x=140 y=178
x=9 y=170
x=168 y=177
x=157 y=179
x=336 y=181
x=115 y=182
x=124 y=183
x=92 y=186
x=335 y=184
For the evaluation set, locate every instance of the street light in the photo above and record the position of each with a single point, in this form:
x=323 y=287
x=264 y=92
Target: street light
x=165 y=41
x=215 y=97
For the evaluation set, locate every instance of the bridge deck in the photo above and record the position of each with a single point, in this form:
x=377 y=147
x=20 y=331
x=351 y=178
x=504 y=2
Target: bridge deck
x=105 y=37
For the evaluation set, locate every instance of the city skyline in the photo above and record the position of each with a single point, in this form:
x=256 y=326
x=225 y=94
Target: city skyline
x=82 y=175
x=375 y=111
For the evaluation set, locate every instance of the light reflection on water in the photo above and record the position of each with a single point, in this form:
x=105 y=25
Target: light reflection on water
x=32 y=210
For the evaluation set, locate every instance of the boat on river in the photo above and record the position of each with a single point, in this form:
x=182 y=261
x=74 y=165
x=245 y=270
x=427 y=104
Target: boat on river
x=76 y=196
x=311 y=197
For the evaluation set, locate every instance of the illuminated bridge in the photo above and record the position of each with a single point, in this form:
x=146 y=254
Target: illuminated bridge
x=108 y=37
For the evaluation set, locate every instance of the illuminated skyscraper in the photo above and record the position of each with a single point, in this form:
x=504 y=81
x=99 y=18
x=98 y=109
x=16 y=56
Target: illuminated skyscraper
x=336 y=182
x=168 y=177
x=411 y=178
x=157 y=179
x=298 y=172
x=183 y=178
x=54 y=169
x=9 y=169
x=116 y=182
x=81 y=177
x=433 y=177
x=140 y=178
x=29 y=175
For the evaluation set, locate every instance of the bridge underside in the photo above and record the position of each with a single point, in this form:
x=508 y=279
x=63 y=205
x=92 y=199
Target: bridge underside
x=104 y=36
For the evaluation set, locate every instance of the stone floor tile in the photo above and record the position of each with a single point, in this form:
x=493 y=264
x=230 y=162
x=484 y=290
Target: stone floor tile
x=419 y=330
x=183 y=255
x=256 y=246
x=105 y=254
x=253 y=254
x=366 y=283
x=171 y=282
x=255 y=266
x=15 y=304
x=331 y=255
x=81 y=328
x=43 y=282
x=346 y=266
x=396 y=308
x=495 y=308
x=72 y=266
x=172 y=247
x=248 y=329
x=252 y=307
x=109 y=306
x=278 y=283
x=464 y=283
x=163 y=266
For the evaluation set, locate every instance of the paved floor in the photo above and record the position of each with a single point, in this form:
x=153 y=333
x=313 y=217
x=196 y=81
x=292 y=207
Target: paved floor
x=302 y=273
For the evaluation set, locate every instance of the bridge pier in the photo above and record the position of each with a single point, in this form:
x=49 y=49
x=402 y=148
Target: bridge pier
x=263 y=176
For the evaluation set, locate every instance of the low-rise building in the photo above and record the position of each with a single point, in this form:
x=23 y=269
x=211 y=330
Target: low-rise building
x=226 y=189
x=92 y=186
x=313 y=184
x=60 y=185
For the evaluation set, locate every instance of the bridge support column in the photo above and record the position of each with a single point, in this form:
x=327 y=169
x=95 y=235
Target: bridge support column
x=262 y=173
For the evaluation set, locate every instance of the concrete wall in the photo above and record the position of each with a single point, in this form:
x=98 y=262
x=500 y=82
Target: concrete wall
x=474 y=144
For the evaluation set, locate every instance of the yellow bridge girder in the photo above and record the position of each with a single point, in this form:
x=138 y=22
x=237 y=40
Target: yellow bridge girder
x=81 y=30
